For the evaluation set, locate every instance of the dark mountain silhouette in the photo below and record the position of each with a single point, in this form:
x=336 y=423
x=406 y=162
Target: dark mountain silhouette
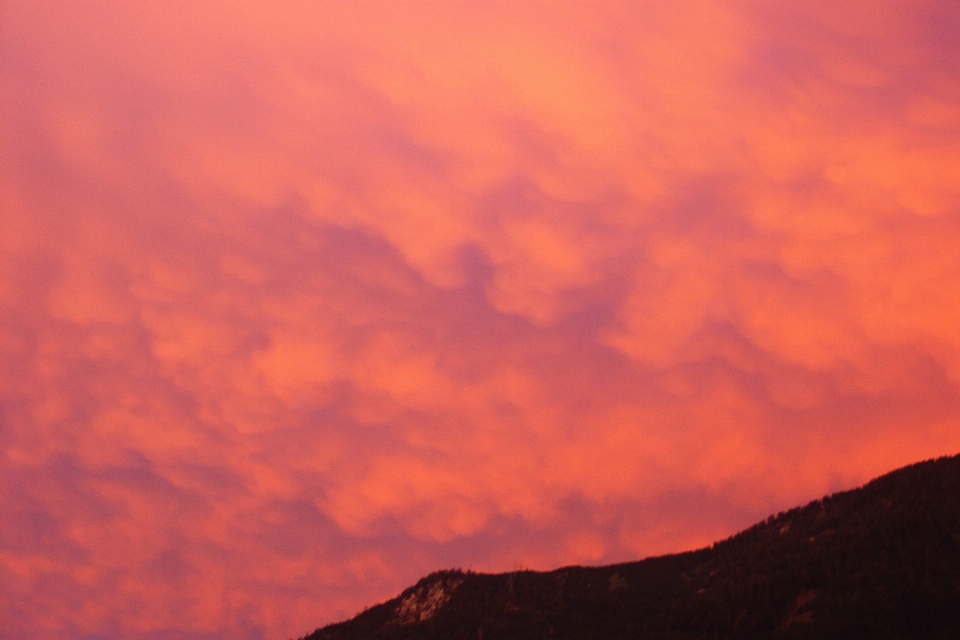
x=881 y=561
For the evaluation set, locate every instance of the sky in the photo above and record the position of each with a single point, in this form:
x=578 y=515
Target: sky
x=301 y=301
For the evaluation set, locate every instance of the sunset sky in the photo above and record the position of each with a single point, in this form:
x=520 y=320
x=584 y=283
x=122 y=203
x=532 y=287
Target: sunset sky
x=300 y=302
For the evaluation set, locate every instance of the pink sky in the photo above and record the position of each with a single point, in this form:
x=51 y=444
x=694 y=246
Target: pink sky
x=302 y=301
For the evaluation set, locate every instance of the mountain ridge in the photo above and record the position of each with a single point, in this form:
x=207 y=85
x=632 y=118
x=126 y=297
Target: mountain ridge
x=878 y=561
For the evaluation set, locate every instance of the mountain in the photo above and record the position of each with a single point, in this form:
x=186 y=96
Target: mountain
x=879 y=562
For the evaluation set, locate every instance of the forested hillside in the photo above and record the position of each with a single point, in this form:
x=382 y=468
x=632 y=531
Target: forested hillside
x=881 y=561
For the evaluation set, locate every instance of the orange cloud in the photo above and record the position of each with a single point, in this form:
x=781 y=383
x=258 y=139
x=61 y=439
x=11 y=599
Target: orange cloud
x=297 y=305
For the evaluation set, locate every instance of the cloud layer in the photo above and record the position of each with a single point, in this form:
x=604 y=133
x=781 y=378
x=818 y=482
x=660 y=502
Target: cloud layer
x=298 y=305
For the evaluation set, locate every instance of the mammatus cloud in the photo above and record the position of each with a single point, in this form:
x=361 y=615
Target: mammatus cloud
x=298 y=305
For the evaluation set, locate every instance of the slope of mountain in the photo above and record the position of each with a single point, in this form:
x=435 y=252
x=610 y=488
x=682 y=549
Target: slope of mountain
x=881 y=561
